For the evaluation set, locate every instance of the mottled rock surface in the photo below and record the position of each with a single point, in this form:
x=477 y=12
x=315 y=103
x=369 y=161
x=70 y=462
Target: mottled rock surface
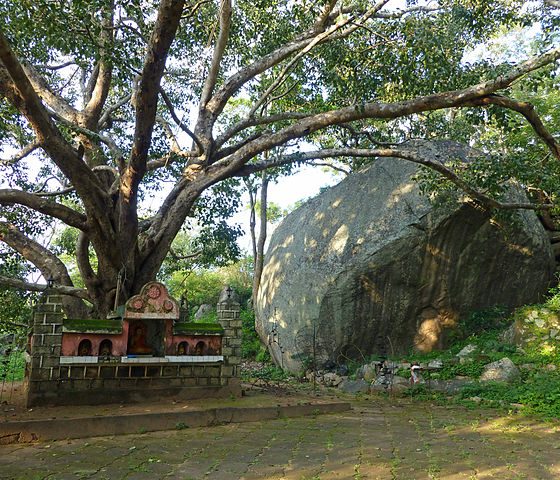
x=370 y=266
x=354 y=386
x=503 y=370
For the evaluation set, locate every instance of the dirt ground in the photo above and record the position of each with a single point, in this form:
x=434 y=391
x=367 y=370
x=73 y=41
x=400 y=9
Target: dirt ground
x=380 y=438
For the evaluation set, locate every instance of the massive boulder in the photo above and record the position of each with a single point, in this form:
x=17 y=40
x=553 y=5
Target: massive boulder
x=371 y=266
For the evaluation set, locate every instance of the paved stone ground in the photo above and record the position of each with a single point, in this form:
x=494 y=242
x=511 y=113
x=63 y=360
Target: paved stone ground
x=373 y=441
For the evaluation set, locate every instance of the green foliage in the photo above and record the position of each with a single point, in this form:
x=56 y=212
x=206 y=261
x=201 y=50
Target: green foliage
x=521 y=158
x=469 y=369
x=203 y=286
x=269 y=373
x=12 y=366
x=208 y=317
x=538 y=394
x=15 y=305
x=480 y=323
x=251 y=346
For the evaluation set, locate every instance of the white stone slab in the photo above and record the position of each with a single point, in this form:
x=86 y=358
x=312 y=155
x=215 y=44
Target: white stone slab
x=67 y=360
x=144 y=360
x=195 y=358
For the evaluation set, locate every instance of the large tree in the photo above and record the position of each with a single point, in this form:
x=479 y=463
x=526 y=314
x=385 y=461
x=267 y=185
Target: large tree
x=116 y=97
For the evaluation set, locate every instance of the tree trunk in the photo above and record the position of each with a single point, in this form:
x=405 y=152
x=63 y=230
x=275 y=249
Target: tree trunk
x=259 y=258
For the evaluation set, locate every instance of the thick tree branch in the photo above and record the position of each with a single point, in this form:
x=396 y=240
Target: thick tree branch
x=21 y=93
x=24 y=152
x=47 y=207
x=437 y=101
x=48 y=264
x=53 y=100
x=169 y=15
x=84 y=266
x=528 y=111
x=409 y=154
x=100 y=91
x=219 y=49
x=89 y=85
x=321 y=38
x=256 y=121
x=178 y=121
x=166 y=25
x=36 y=287
x=34 y=252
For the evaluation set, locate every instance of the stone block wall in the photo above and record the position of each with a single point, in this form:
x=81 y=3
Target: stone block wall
x=46 y=342
x=228 y=312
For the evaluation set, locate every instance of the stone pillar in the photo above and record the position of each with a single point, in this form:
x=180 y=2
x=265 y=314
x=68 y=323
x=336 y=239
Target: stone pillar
x=228 y=310
x=46 y=344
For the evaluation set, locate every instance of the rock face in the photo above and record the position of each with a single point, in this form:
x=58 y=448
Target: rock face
x=370 y=266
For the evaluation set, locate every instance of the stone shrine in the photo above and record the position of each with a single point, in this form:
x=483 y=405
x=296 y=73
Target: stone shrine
x=146 y=351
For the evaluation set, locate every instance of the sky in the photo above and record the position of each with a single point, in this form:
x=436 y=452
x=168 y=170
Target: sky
x=300 y=186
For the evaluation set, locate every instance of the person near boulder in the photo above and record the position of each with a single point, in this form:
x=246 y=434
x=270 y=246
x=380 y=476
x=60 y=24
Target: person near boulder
x=415 y=373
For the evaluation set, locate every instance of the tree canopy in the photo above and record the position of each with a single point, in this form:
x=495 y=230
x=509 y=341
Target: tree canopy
x=120 y=100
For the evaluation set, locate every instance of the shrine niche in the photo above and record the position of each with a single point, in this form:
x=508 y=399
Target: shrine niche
x=106 y=348
x=84 y=348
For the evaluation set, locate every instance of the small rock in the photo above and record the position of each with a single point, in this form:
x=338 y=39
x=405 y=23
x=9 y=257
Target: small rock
x=450 y=386
x=475 y=399
x=503 y=370
x=354 y=386
x=465 y=353
x=331 y=379
x=369 y=372
x=539 y=322
x=435 y=364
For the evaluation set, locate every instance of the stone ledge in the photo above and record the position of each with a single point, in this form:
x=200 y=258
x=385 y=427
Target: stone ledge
x=57 y=429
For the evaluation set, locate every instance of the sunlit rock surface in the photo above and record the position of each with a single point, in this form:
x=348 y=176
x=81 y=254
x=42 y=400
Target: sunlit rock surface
x=371 y=267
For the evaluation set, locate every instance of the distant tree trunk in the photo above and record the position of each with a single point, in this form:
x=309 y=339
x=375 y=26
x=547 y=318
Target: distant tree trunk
x=252 y=218
x=259 y=257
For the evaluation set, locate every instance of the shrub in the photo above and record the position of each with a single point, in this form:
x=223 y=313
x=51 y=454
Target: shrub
x=251 y=346
x=12 y=366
